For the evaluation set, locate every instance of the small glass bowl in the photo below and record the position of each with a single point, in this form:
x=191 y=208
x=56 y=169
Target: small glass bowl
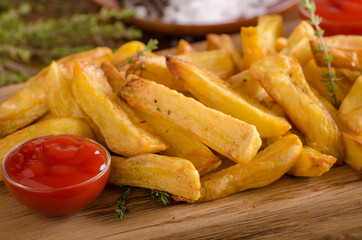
x=58 y=201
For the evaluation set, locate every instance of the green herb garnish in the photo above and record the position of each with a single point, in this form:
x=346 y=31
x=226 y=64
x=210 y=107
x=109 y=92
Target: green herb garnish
x=164 y=196
x=330 y=76
x=122 y=205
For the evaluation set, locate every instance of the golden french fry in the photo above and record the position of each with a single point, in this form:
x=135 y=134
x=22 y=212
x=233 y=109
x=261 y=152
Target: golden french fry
x=74 y=126
x=224 y=42
x=60 y=99
x=350 y=110
x=346 y=51
x=353 y=150
x=115 y=78
x=184 y=47
x=301 y=51
x=267 y=166
x=313 y=75
x=182 y=144
x=250 y=45
x=281 y=43
x=270 y=28
x=29 y=103
x=215 y=93
x=124 y=135
x=127 y=50
x=227 y=135
x=312 y=163
x=283 y=79
x=170 y=174
x=241 y=82
x=303 y=31
x=154 y=68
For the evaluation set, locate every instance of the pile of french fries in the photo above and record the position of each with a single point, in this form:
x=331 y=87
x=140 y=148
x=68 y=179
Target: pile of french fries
x=170 y=121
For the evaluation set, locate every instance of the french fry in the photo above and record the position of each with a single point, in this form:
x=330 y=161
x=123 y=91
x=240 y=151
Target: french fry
x=312 y=163
x=154 y=68
x=127 y=50
x=301 y=51
x=241 y=82
x=353 y=150
x=115 y=78
x=270 y=28
x=182 y=144
x=303 y=31
x=350 y=110
x=250 y=46
x=60 y=99
x=29 y=103
x=267 y=166
x=124 y=135
x=170 y=174
x=184 y=47
x=280 y=44
x=345 y=50
x=215 y=93
x=224 y=42
x=228 y=136
x=74 y=126
x=283 y=79
x=313 y=75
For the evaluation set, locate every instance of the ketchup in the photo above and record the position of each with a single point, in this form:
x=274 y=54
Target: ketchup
x=339 y=16
x=56 y=175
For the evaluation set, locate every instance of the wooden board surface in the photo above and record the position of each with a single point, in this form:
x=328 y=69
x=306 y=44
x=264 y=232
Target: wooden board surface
x=327 y=207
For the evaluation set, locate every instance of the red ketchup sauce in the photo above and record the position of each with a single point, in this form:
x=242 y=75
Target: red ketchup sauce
x=339 y=16
x=56 y=175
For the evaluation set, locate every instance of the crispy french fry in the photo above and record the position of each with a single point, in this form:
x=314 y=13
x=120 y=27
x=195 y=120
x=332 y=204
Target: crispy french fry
x=312 y=163
x=154 y=68
x=250 y=45
x=353 y=150
x=127 y=50
x=301 y=51
x=303 y=31
x=184 y=47
x=29 y=103
x=215 y=93
x=281 y=43
x=350 y=110
x=267 y=166
x=270 y=28
x=75 y=126
x=224 y=42
x=228 y=136
x=124 y=135
x=241 y=82
x=115 y=78
x=170 y=174
x=345 y=50
x=283 y=79
x=182 y=144
x=313 y=75
x=60 y=99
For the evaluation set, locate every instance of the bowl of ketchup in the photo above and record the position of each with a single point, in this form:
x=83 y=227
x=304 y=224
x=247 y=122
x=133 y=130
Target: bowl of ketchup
x=56 y=175
x=338 y=16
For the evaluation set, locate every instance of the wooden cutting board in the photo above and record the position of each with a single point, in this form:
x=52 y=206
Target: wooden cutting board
x=327 y=207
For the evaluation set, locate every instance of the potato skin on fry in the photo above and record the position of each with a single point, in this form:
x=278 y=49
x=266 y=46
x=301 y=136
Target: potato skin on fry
x=75 y=126
x=228 y=136
x=216 y=93
x=283 y=79
x=29 y=103
x=119 y=125
x=267 y=166
x=171 y=174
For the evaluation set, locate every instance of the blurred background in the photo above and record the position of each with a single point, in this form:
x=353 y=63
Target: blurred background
x=32 y=33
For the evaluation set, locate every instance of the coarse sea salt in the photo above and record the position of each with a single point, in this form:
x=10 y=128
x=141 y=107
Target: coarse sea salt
x=205 y=12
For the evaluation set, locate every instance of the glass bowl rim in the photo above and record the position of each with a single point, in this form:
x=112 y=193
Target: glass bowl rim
x=32 y=189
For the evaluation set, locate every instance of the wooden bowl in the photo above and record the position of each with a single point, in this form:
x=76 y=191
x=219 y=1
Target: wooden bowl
x=159 y=26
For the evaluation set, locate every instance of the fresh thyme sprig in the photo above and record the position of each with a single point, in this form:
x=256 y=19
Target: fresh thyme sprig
x=330 y=76
x=122 y=205
x=152 y=45
x=164 y=196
